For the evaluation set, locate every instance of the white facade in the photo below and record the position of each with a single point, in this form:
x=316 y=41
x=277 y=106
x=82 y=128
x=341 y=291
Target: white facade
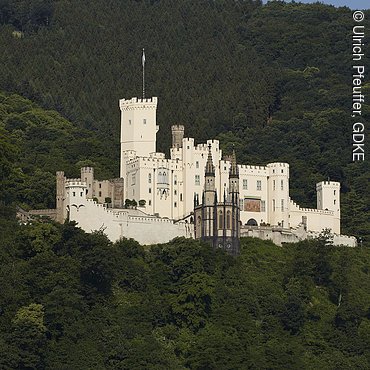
x=117 y=223
x=168 y=185
x=138 y=126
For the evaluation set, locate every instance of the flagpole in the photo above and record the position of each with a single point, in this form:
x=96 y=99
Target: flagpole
x=143 y=61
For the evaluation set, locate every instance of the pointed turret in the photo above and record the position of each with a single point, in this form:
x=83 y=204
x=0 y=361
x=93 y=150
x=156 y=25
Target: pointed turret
x=210 y=168
x=234 y=170
x=233 y=179
x=209 y=179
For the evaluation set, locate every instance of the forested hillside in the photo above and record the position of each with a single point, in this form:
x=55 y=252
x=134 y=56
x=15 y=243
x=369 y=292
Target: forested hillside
x=70 y=300
x=274 y=80
x=35 y=144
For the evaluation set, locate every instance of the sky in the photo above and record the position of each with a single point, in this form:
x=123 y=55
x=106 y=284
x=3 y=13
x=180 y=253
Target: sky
x=353 y=4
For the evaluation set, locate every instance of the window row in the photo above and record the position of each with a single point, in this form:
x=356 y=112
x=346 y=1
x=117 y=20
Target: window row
x=130 y=122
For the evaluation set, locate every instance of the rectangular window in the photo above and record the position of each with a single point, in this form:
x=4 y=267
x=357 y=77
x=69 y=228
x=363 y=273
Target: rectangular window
x=74 y=193
x=129 y=122
x=196 y=164
x=175 y=204
x=175 y=180
x=99 y=193
x=245 y=184
x=274 y=185
x=263 y=206
x=150 y=202
x=150 y=190
x=133 y=179
x=175 y=192
x=259 y=185
x=334 y=192
x=180 y=197
x=144 y=121
x=150 y=178
x=197 y=180
x=99 y=186
x=282 y=184
x=273 y=205
x=282 y=205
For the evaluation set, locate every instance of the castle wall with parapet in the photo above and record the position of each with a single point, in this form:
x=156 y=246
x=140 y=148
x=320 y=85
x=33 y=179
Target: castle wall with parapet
x=117 y=223
x=315 y=219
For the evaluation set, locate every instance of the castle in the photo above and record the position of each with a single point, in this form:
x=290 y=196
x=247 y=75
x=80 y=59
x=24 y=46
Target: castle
x=167 y=191
x=168 y=185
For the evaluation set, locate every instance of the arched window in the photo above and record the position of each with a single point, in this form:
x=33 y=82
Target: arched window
x=228 y=220
x=199 y=220
x=220 y=220
x=252 y=222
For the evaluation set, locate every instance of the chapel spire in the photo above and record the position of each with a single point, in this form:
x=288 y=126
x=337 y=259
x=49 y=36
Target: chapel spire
x=234 y=170
x=210 y=168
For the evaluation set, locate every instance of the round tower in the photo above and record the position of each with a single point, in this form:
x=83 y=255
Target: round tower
x=278 y=194
x=177 y=135
x=75 y=196
x=87 y=176
x=60 y=196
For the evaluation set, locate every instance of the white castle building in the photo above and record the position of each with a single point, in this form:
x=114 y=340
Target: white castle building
x=168 y=185
x=165 y=188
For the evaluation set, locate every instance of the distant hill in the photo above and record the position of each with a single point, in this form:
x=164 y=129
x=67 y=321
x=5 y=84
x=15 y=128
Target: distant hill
x=272 y=79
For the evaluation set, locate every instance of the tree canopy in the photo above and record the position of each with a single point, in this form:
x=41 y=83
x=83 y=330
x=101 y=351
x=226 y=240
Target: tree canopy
x=76 y=300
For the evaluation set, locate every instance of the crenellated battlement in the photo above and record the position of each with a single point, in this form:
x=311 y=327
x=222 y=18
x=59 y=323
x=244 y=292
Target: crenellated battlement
x=75 y=183
x=277 y=165
x=331 y=184
x=296 y=207
x=137 y=103
x=251 y=167
x=177 y=128
x=157 y=156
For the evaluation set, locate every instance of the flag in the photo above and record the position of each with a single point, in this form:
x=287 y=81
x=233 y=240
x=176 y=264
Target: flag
x=143 y=58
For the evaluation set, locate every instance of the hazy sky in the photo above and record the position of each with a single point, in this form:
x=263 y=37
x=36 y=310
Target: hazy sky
x=353 y=4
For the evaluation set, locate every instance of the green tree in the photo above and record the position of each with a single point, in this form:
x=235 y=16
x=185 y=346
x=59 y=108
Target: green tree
x=29 y=335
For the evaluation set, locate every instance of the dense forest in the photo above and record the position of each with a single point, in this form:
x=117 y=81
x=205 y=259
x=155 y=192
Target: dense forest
x=274 y=81
x=71 y=300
